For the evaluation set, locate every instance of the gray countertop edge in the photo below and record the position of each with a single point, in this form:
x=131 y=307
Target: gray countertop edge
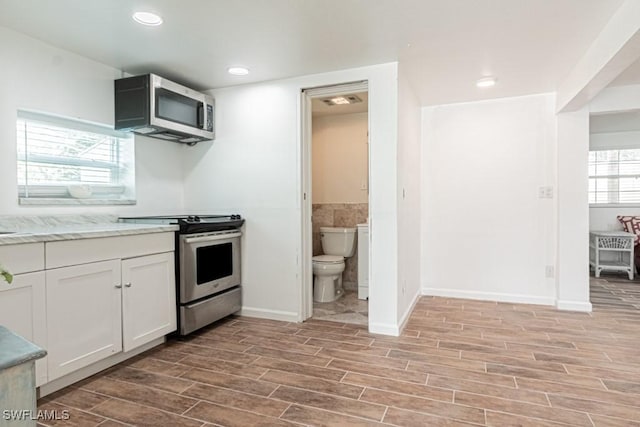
x=15 y=350
x=83 y=233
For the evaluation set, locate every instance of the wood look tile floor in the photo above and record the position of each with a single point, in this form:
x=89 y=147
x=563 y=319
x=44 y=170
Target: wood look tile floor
x=458 y=362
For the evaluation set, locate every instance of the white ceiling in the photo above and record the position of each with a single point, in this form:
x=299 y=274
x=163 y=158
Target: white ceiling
x=630 y=76
x=444 y=45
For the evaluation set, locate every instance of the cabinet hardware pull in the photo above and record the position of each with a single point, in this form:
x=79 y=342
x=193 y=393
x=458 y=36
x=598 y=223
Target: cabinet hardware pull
x=128 y=285
x=118 y=286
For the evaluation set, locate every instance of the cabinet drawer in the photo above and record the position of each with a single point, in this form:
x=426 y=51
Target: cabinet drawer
x=23 y=257
x=209 y=310
x=83 y=251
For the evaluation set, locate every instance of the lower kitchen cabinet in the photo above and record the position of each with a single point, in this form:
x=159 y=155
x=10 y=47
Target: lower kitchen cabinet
x=148 y=299
x=98 y=309
x=22 y=310
x=84 y=315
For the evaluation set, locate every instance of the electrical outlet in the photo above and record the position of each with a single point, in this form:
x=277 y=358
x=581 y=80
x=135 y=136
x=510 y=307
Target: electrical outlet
x=550 y=271
x=545 y=192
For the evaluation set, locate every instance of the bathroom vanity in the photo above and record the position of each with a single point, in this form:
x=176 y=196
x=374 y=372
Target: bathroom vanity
x=363 y=261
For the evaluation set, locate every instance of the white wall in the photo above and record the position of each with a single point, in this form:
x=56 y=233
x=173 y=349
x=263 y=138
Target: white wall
x=253 y=168
x=340 y=158
x=37 y=76
x=605 y=218
x=485 y=232
x=409 y=196
x=573 y=211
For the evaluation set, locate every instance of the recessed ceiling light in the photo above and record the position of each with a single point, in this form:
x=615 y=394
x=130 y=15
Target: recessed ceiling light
x=238 y=71
x=147 y=18
x=486 y=82
x=340 y=100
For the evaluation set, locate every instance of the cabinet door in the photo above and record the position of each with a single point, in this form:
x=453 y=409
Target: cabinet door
x=22 y=310
x=149 y=298
x=84 y=315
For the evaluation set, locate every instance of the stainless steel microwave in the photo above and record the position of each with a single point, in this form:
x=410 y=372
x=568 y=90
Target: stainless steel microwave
x=159 y=108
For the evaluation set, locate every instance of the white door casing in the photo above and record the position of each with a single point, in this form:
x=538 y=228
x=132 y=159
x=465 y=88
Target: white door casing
x=305 y=265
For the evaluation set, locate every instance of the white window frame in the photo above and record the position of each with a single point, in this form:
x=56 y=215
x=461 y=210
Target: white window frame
x=615 y=203
x=59 y=194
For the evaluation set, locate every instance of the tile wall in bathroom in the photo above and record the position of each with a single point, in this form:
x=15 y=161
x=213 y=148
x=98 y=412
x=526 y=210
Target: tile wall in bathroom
x=340 y=215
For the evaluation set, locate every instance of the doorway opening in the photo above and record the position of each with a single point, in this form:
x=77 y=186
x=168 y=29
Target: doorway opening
x=614 y=209
x=335 y=211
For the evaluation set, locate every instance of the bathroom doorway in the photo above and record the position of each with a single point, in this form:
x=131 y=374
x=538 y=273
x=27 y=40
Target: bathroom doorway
x=335 y=138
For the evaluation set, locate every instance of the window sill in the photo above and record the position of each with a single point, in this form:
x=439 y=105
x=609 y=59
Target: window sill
x=77 y=202
x=614 y=205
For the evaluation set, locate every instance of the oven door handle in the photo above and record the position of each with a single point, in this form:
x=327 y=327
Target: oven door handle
x=211 y=238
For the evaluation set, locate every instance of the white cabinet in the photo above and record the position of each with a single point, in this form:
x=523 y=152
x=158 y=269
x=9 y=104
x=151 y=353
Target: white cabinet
x=83 y=315
x=102 y=308
x=148 y=299
x=85 y=300
x=363 y=261
x=22 y=303
x=22 y=310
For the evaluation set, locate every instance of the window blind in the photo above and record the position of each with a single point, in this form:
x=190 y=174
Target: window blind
x=55 y=154
x=614 y=176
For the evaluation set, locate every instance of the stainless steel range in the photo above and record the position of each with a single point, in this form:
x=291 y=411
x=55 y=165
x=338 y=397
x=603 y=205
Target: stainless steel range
x=207 y=267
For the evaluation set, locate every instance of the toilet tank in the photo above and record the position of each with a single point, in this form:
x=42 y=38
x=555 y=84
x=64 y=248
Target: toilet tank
x=338 y=241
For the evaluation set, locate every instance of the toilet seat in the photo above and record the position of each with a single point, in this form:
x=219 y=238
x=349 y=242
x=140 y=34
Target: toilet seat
x=328 y=259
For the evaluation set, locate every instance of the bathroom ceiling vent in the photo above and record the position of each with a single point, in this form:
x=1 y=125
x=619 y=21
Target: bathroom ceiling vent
x=342 y=100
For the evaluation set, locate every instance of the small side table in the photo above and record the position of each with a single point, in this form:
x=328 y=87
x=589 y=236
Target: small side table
x=617 y=243
x=18 y=379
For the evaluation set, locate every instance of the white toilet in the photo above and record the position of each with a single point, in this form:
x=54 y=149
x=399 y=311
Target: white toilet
x=337 y=244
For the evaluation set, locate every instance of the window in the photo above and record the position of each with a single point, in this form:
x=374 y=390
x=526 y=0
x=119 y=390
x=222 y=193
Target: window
x=614 y=176
x=71 y=162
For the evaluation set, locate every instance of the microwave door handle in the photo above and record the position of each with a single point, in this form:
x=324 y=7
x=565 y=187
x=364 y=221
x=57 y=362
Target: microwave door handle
x=200 y=115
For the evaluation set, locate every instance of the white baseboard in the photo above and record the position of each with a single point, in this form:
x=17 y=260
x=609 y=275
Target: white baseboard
x=574 y=306
x=489 y=296
x=263 y=313
x=395 y=330
x=384 y=329
x=407 y=313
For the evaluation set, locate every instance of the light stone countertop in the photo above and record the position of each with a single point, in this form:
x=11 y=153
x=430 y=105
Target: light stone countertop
x=35 y=229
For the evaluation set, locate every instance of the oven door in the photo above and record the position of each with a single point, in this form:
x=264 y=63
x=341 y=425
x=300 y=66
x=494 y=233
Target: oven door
x=209 y=263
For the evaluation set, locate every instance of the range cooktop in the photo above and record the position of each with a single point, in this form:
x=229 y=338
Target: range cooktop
x=192 y=223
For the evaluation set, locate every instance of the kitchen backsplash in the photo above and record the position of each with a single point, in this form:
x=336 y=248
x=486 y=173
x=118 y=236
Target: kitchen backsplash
x=339 y=215
x=19 y=222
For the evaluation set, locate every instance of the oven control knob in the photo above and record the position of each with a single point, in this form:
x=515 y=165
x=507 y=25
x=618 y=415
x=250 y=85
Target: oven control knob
x=196 y=218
